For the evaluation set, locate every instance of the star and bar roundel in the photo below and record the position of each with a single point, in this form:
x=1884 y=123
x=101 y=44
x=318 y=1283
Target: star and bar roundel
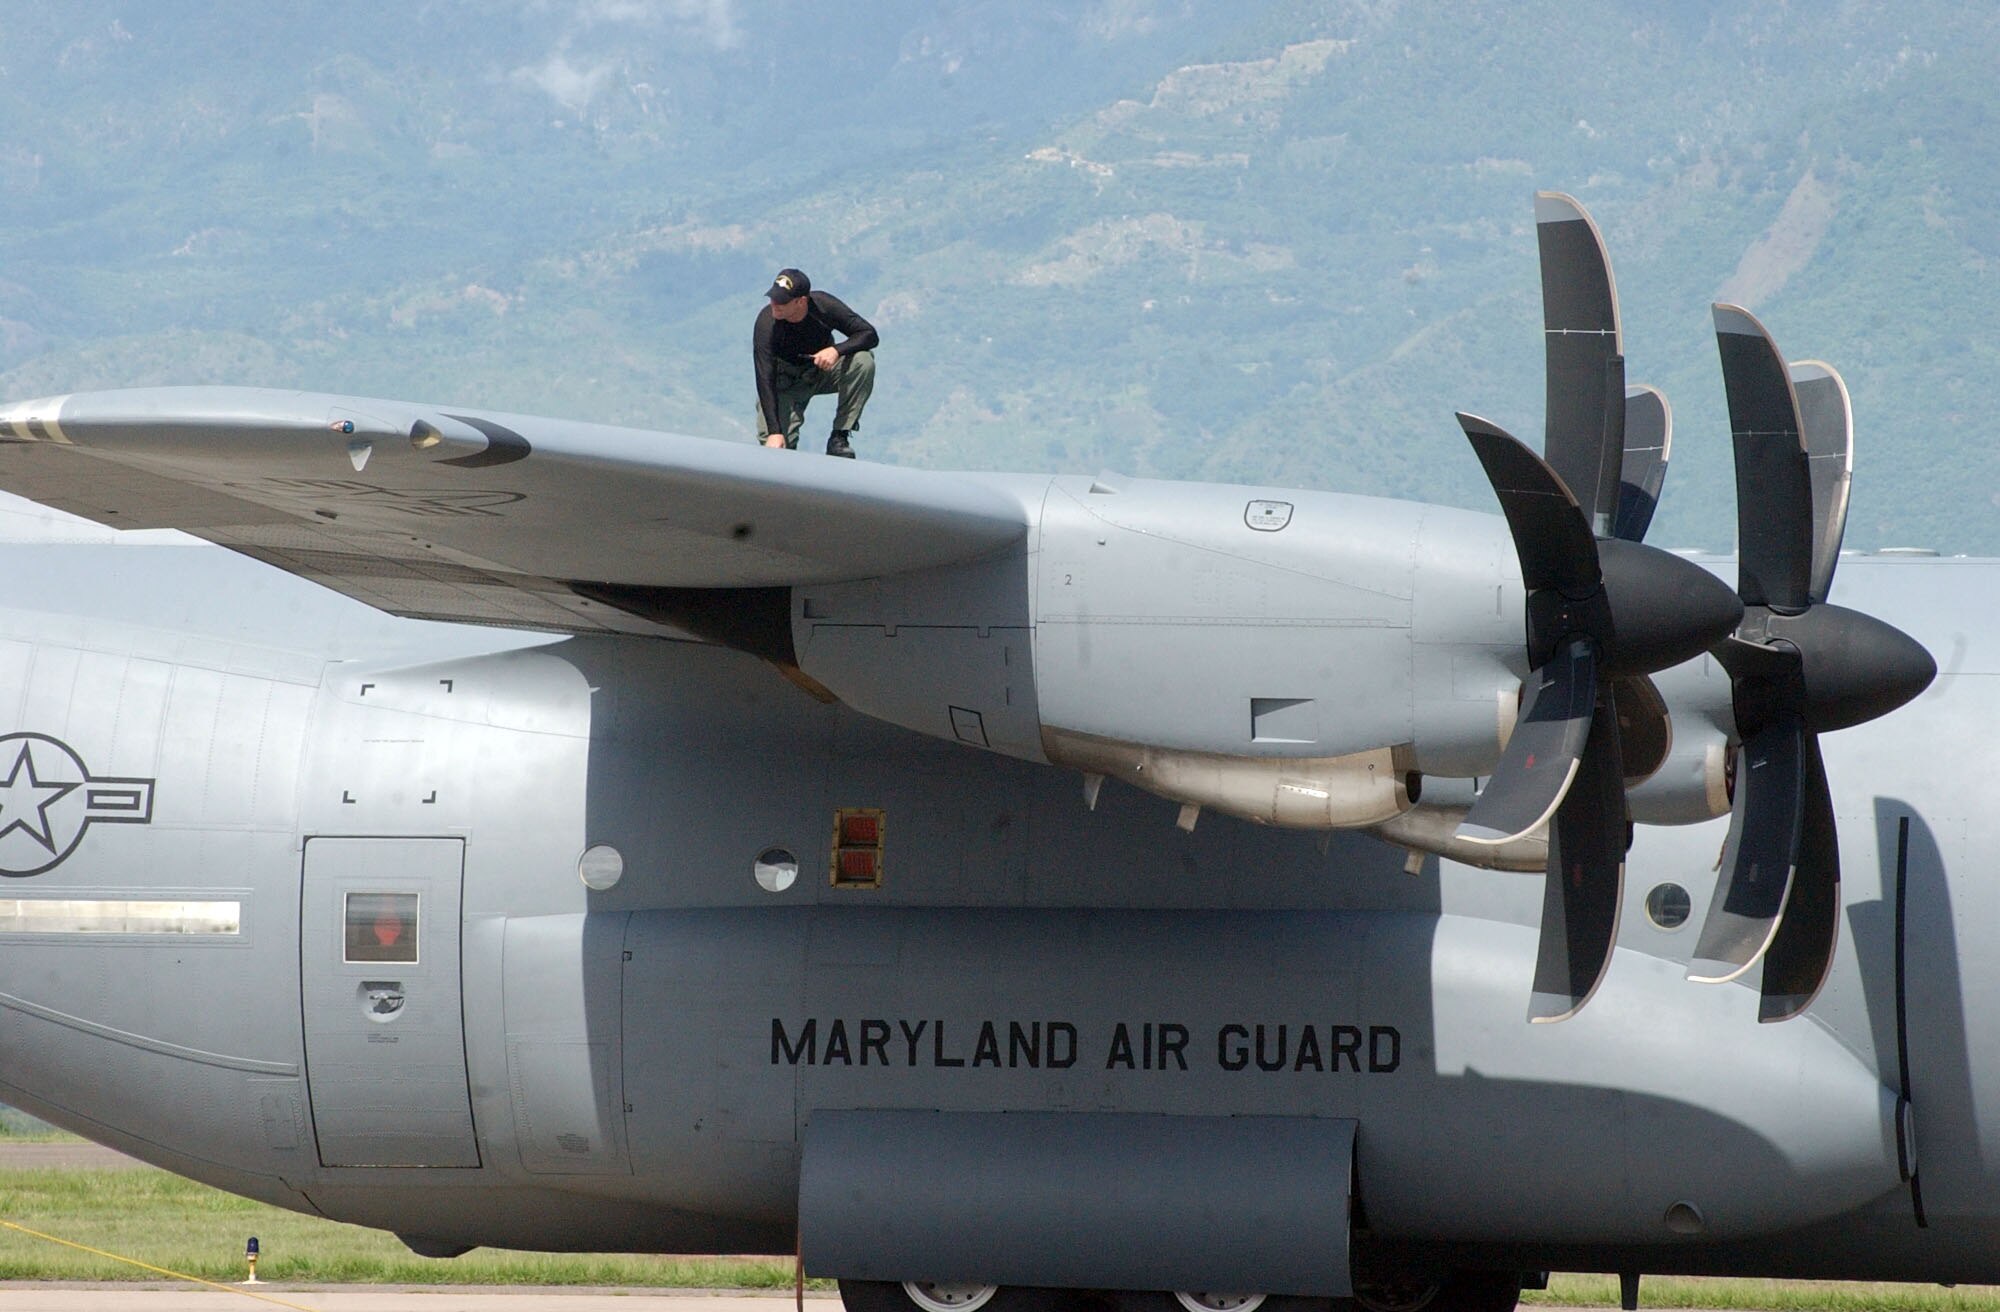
x=49 y=799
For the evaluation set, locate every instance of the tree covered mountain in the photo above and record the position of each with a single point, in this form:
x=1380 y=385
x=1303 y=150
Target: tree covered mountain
x=1271 y=242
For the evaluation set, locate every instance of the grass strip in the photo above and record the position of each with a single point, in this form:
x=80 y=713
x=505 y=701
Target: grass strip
x=1741 y=1295
x=191 y=1228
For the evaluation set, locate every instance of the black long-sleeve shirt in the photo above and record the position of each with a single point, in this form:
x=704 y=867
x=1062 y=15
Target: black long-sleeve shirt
x=774 y=339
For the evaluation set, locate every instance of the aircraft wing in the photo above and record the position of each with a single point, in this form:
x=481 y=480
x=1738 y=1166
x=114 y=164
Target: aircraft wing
x=456 y=514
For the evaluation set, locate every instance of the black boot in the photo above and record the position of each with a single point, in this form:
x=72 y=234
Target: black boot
x=836 y=445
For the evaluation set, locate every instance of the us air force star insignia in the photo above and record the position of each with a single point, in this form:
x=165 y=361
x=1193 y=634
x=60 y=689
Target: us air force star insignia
x=48 y=798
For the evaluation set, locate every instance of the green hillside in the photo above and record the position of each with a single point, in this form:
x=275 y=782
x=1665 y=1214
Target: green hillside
x=1269 y=242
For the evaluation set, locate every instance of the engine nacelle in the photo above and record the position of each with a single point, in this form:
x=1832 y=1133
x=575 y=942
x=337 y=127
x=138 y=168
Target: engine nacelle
x=1294 y=661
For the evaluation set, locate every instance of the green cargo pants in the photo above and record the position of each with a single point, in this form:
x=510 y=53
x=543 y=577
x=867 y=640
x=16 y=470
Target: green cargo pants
x=853 y=379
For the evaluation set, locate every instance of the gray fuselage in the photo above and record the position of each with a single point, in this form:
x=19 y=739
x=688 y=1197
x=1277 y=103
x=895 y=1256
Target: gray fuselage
x=633 y=1067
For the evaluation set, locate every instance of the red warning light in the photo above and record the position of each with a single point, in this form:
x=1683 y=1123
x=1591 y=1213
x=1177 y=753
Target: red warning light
x=862 y=830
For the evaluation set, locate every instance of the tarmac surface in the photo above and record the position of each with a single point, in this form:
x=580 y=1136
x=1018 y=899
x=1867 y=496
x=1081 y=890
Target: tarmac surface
x=66 y=1156
x=388 y=1298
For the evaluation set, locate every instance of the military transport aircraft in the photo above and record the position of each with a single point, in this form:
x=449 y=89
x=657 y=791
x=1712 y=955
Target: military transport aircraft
x=689 y=847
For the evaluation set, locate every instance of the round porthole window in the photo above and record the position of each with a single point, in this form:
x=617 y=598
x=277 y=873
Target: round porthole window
x=775 y=869
x=1668 y=905
x=600 y=867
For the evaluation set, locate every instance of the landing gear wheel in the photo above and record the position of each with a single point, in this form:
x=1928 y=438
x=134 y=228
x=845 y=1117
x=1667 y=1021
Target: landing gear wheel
x=937 y=1296
x=1462 y=1291
x=1407 y=1294
x=949 y=1296
x=1204 y=1300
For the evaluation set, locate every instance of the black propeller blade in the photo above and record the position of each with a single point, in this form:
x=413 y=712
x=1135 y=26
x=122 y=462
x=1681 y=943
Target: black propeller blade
x=1827 y=420
x=1798 y=667
x=1598 y=612
x=1585 y=370
x=1586 y=880
x=1603 y=611
x=1649 y=440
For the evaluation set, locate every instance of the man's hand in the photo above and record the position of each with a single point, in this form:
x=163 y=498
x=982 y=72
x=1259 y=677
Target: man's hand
x=774 y=439
x=826 y=358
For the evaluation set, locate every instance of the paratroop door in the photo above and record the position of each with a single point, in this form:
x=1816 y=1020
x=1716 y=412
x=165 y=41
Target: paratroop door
x=385 y=1031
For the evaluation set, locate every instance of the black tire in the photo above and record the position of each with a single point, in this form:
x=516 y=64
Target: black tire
x=1478 y=1291
x=890 y=1296
x=1165 y=1302
x=1461 y=1291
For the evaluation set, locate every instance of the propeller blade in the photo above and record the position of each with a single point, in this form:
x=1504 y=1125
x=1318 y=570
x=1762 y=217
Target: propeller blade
x=1773 y=483
x=1827 y=417
x=1541 y=759
x=1649 y=440
x=1551 y=536
x=1586 y=879
x=1760 y=856
x=1585 y=438
x=1801 y=952
x=1645 y=732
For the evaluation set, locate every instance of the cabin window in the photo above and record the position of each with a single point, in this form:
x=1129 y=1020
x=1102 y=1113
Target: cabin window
x=119 y=916
x=774 y=869
x=1668 y=905
x=382 y=927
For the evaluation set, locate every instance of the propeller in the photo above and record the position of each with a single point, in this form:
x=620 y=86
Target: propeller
x=1603 y=611
x=1798 y=665
x=1600 y=615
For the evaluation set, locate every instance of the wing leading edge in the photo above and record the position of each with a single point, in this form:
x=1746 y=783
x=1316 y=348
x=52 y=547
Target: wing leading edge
x=455 y=514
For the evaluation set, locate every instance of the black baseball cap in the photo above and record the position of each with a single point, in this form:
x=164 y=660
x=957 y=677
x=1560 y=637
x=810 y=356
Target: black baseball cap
x=789 y=283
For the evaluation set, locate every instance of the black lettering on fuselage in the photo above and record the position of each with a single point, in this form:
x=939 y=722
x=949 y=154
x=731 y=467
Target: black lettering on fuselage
x=1173 y=1043
x=806 y=1049
x=1066 y=1032
x=1385 y=1048
x=1308 y=1050
x=837 y=1050
x=910 y=1036
x=1024 y=1040
x=937 y=1047
x=875 y=1037
x=1272 y=1059
x=1346 y=1043
x=1232 y=1057
x=986 y=1052
x=1121 y=1049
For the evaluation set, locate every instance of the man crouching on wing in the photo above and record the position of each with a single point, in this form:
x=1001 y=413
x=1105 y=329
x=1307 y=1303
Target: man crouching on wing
x=797 y=359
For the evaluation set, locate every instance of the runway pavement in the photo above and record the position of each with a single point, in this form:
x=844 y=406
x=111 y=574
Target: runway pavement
x=66 y=1155
x=393 y=1298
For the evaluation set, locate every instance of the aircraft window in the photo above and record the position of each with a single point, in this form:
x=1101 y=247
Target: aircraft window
x=1668 y=905
x=775 y=869
x=382 y=927
x=118 y=916
x=601 y=867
